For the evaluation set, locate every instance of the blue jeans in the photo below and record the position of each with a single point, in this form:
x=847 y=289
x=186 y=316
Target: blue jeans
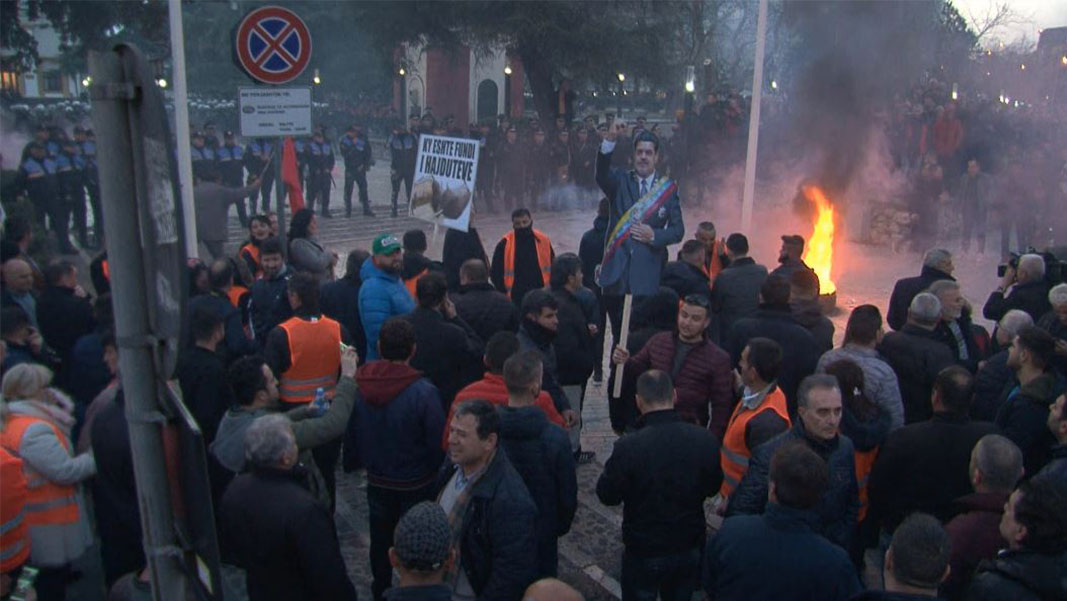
x=672 y=577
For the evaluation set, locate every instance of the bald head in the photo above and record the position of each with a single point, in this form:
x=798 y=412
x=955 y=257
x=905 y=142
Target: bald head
x=18 y=276
x=551 y=589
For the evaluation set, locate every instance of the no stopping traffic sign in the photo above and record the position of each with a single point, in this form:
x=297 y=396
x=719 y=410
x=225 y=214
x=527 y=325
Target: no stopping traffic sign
x=273 y=44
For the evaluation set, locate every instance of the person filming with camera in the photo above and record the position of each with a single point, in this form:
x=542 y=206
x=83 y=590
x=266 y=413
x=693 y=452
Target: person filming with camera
x=1022 y=287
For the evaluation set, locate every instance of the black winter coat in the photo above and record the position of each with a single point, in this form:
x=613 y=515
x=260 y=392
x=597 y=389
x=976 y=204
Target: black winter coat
x=906 y=289
x=460 y=246
x=735 y=294
x=485 y=309
x=916 y=356
x=685 y=279
x=1031 y=297
x=1024 y=419
x=838 y=508
x=809 y=315
x=284 y=539
x=662 y=473
x=269 y=305
x=339 y=300
x=989 y=386
x=575 y=351
x=591 y=252
x=541 y=452
x=924 y=467
x=498 y=532
x=446 y=350
x=1051 y=323
x=1020 y=576
x=800 y=351
x=63 y=318
x=975 y=352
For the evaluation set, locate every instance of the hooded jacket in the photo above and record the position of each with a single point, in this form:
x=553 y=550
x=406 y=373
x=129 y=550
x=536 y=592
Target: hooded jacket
x=974 y=536
x=533 y=337
x=381 y=296
x=541 y=453
x=809 y=315
x=395 y=427
x=1024 y=419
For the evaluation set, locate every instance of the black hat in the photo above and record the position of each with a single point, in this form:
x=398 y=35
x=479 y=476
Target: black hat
x=423 y=538
x=793 y=240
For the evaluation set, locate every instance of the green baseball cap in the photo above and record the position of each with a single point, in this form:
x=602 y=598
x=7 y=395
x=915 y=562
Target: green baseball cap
x=385 y=244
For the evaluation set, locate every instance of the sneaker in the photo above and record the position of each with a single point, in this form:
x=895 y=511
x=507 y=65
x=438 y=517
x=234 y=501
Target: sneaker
x=598 y=377
x=584 y=457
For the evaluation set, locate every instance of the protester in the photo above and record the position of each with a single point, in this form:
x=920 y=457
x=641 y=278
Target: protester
x=522 y=260
x=460 y=247
x=422 y=555
x=382 y=294
x=937 y=265
x=201 y=374
x=65 y=309
x=917 y=356
x=715 y=256
x=817 y=425
x=268 y=305
x=661 y=474
x=541 y=453
x=1024 y=415
x=492 y=515
x=339 y=300
x=234 y=343
x=482 y=306
x=305 y=252
x=955 y=329
x=996 y=467
x=552 y=589
x=540 y=324
x=863 y=333
x=790 y=259
x=1057 y=424
x=18 y=290
x=213 y=200
x=1022 y=288
x=22 y=342
x=916 y=562
x=735 y=292
x=780 y=554
x=393 y=433
x=574 y=341
x=804 y=301
x=686 y=275
x=994 y=375
x=275 y=529
x=258 y=233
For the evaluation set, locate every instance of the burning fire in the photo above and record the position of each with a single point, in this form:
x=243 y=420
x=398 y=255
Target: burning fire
x=819 y=253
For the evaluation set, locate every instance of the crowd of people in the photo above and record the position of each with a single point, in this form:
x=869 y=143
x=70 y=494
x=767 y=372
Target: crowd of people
x=456 y=388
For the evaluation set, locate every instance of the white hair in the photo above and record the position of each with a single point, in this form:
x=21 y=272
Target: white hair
x=1013 y=321
x=1033 y=266
x=1058 y=295
x=942 y=286
x=925 y=309
x=937 y=258
x=268 y=440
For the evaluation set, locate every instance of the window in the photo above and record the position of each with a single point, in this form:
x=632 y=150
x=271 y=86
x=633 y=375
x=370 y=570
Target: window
x=52 y=82
x=9 y=81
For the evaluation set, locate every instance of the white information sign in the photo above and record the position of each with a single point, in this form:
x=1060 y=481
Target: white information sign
x=274 y=112
x=445 y=172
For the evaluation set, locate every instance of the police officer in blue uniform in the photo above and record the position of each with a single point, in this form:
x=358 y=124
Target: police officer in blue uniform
x=86 y=140
x=403 y=148
x=320 y=163
x=38 y=179
x=231 y=167
x=358 y=157
x=204 y=160
x=258 y=155
x=70 y=166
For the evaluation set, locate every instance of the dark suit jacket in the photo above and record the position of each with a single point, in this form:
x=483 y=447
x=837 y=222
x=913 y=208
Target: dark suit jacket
x=906 y=289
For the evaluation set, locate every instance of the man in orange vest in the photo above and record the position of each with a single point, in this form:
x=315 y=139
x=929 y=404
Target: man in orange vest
x=236 y=342
x=415 y=263
x=14 y=533
x=758 y=417
x=523 y=258
x=304 y=352
x=715 y=250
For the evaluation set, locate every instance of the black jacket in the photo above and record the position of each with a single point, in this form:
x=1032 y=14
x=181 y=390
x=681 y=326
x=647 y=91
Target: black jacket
x=339 y=300
x=773 y=556
x=809 y=315
x=446 y=350
x=485 y=309
x=284 y=538
x=1024 y=419
x=269 y=305
x=205 y=388
x=533 y=337
x=591 y=252
x=1050 y=322
x=685 y=279
x=541 y=452
x=63 y=318
x=662 y=473
x=916 y=356
x=575 y=352
x=800 y=351
x=735 y=294
x=974 y=350
x=838 y=508
x=498 y=532
x=877 y=595
x=460 y=246
x=527 y=270
x=1021 y=576
x=989 y=386
x=235 y=344
x=906 y=289
x=1031 y=297
x=428 y=592
x=924 y=467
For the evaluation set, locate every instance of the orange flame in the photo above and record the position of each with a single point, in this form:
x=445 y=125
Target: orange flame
x=819 y=253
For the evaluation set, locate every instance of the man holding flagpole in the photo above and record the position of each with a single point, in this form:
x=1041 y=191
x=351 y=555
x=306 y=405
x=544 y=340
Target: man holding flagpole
x=644 y=217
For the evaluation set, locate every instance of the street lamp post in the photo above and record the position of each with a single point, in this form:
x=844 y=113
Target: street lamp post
x=622 y=80
x=507 y=90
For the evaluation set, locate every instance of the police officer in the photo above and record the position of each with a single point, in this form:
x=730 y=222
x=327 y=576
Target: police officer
x=403 y=148
x=511 y=169
x=86 y=140
x=211 y=139
x=38 y=179
x=258 y=154
x=539 y=159
x=231 y=167
x=203 y=158
x=320 y=163
x=358 y=157
x=70 y=167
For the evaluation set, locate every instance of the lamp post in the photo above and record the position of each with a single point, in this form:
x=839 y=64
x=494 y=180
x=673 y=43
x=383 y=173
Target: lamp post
x=507 y=90
x=622 y=80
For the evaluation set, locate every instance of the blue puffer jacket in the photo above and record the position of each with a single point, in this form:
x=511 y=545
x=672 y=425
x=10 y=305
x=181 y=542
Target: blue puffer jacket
x=381 y=296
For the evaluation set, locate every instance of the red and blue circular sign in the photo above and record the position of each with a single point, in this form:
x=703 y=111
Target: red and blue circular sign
x=273 y=44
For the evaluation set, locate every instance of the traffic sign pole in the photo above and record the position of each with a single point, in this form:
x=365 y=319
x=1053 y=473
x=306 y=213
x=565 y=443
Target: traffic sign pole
x=181 y=125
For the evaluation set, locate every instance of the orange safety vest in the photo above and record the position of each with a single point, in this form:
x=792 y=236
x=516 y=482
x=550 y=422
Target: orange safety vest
x=106 y=269
x=253 y=251
x=544 y=258
x=47 y=503
x=235 y=294
x=314 y=357
x=735 y=454
x=864 y=463
x=411 y=282
x=14 y=538
x=713 y=266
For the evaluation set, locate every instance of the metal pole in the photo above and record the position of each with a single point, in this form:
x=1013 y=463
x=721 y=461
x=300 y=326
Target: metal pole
x=137 y=369
x=753 y=122
x=280 y=191
x=181 y=126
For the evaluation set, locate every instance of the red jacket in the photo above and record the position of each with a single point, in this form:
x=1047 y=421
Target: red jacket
x=491 y=388
x=705 y=378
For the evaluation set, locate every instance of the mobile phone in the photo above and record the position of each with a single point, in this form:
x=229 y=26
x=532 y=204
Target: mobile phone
x=24 y=584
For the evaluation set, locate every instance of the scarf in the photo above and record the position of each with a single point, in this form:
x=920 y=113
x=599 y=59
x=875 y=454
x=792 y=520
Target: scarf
x=459 y=509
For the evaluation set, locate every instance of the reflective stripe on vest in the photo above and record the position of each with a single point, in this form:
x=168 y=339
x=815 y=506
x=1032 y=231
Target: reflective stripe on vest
x=47 y=503
x=314 y=356
x=14 y=536
x=735 y=454
x=864 y=463
x=544 y=258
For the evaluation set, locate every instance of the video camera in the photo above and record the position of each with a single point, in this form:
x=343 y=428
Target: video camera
x=1054 y=267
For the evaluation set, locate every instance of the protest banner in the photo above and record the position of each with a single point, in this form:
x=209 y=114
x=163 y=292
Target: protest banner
x=445 y=173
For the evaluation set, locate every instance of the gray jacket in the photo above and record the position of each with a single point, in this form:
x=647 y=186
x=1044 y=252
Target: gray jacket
x=45 y=457
x=975 y=197
x=212 y=205
x=305 y=254
x=735 y=293
x=879 y=380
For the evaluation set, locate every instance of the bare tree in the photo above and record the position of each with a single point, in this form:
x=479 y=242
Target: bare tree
x=997 y=16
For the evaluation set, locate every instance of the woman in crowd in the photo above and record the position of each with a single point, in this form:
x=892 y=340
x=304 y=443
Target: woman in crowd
x=305 y=253
x=258 y=231
x=36 y=422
